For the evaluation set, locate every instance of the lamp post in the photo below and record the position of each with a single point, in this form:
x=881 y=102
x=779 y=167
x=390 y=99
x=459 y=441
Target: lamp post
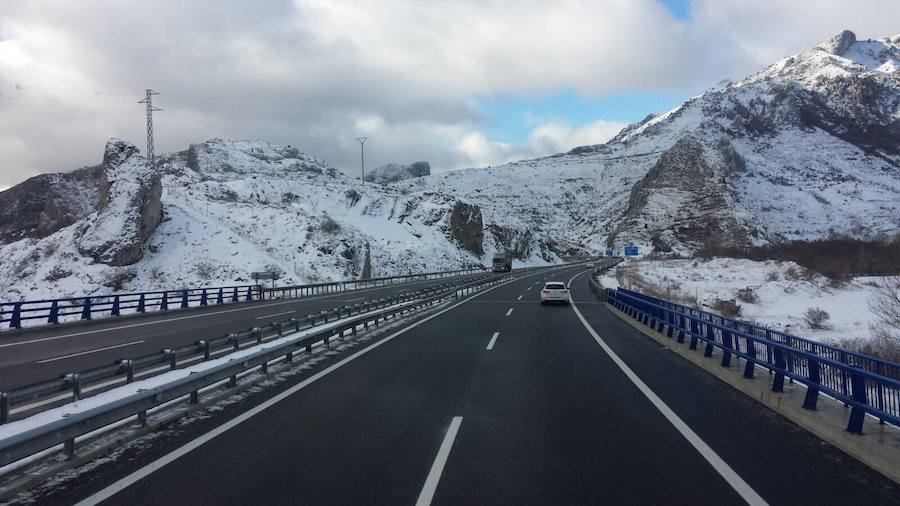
x=362 y=158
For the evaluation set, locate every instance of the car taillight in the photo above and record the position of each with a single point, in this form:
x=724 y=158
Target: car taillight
x=545 y=290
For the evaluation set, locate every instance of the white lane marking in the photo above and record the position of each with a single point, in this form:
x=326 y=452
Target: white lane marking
x=718 y=464
x=354 y=300
x=276 y=314
x=145 y=471
x=509 y=312
x=437 y=468
x=528 y=289
x=520 y=297
x=298 y=300
x=54 y=359
x=490 y=345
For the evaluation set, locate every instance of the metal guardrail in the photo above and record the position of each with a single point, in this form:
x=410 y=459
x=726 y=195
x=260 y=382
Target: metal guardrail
x=64 y=431
x=76 y=385
x=295 y=291
x=54 y=311
x=866 y=384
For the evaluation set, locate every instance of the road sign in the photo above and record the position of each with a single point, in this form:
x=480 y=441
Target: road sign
x=632 y=250
x=265 y=275
x=609 y=252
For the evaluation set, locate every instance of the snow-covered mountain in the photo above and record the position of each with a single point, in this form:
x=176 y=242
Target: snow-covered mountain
x=230 y=208
x=804 y=149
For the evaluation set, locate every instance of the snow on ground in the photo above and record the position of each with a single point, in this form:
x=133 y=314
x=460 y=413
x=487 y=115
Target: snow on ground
x=784 y=291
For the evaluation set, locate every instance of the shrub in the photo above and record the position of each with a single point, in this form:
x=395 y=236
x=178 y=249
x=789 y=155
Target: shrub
x=729 y=308
x=885 y=305
x=747 y=295
x=792 y=274
x=772 y=276
x=117 y=278
x=816 y=318
x=329 y=226
x=156 y=273
x=204 y=269
x=57 y=273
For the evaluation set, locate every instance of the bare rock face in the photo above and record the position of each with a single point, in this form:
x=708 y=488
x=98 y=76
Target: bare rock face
x=393 y=172
x=467 y=227
x=684 y=203
x=44 y=204
x=129 y=207
x=840 y=43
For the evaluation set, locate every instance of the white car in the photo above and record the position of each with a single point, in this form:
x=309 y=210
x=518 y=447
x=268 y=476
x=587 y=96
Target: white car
x=554 y=291
x=589 y=265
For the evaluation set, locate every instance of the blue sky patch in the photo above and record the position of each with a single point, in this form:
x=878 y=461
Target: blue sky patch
x=510 y=118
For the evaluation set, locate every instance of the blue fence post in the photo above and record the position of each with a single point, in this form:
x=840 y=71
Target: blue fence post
x=812 y=389
x=681 y=327
x=54 y=313
x=184 y=299
x=142 y=304
x=671 y=323
x=15 y=321
x=86 y=309
x=249 y=294
x=778 y=382
x=728 y=345
x=710 y=339
x=857 y=414
x=695 y=331
x=219 y=299
x=203 y=297
x=115 y=307
x=751 y=358
x=164 y=302
x=879 y=393
x=234 y=296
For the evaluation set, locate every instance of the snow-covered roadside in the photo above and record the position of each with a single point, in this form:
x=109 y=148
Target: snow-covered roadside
x=783 y=291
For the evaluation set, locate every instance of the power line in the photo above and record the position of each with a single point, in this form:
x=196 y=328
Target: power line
x=148 y=99
x=362 y=158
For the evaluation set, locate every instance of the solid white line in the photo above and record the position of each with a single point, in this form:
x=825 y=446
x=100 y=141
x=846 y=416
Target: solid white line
x=276 y=314
x=88 y=352
x=145 y=471
x=434 y=475
x=528 y=289
x=520 y=297
x=509 y=312
x=718 y=464
x=490 y=345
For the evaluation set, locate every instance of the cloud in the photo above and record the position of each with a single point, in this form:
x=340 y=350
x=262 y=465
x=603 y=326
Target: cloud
x=317 y=73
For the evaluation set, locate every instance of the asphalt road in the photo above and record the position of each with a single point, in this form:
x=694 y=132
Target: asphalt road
x=43 y=353
x=483 y=405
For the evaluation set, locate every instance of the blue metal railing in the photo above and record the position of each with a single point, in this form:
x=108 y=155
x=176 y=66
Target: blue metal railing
x=864 y=383
x=14 y=314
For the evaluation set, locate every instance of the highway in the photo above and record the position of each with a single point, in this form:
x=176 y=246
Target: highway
x=43 y=353
x=493 y=400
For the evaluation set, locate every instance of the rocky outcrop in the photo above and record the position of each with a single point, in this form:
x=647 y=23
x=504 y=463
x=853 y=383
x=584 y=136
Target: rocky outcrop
x=467 y=227
x=683 y=203
x=44 y=204
x=393 y=172
x=129 y=207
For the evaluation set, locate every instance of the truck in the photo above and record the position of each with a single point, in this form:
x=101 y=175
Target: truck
x=502 y=262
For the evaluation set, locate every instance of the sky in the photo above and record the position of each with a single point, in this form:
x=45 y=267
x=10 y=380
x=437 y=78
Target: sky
x=459 y=83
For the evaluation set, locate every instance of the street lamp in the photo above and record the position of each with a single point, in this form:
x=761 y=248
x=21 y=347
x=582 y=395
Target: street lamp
x=362 y=158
